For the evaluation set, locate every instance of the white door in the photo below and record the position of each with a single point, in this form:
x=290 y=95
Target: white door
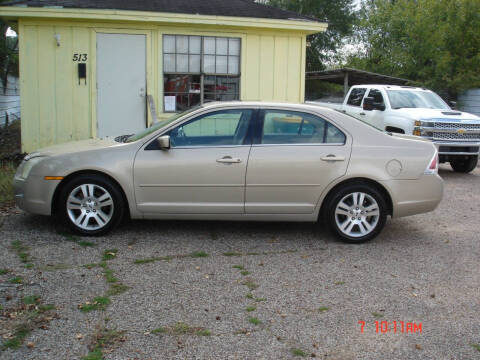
x=375 y=117
x=353 y=107
x=121 y=84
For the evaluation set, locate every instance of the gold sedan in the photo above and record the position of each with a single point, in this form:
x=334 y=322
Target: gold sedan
x=237 y=161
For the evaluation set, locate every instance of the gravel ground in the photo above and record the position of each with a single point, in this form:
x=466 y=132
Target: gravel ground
x=311 y=290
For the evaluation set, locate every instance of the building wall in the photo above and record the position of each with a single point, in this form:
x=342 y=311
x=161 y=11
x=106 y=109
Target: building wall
x=56 y=108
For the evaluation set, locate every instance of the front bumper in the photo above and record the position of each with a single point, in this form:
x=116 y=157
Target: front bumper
x=411 y=197
x=457 y=148
x=34 y=194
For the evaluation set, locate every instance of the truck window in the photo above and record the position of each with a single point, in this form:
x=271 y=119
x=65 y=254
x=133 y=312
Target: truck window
x=356 y=96
x=377 y=96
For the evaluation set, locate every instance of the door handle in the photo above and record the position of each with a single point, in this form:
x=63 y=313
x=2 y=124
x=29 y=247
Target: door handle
x=362 y=113
x=229 y=160
x=332 y=157
x=142 y=92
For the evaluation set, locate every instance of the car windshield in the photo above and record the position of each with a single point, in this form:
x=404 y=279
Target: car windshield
x=415 y=99
x=159 y=125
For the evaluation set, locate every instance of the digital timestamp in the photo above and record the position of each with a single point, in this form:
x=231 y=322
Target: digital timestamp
x=400 y=327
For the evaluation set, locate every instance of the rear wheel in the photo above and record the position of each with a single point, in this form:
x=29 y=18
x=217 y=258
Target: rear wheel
x=464 y=165
x=356 y=213
x=91 y=205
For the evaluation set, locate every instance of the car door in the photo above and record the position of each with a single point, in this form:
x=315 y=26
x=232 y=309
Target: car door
x=353 y=107
x=204 y=170
x=375 y=117
x=293 y=159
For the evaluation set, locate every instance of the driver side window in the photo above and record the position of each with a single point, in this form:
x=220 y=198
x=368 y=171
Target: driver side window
x=219 y=128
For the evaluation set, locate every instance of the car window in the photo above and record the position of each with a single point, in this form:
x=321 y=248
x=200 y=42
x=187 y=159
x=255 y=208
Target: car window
x=219 y=128
x=356 y=96
x=377 y=96
x=291 y=127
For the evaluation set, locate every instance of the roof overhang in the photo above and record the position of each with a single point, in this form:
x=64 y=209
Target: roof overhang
x=20 y=12
x=355 y=77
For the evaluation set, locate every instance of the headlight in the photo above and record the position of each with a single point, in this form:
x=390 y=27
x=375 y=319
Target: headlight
x=29 y=164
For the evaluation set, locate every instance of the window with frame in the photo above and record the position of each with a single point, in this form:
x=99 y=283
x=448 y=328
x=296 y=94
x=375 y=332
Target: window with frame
x=356 y=96
x=219 y=128
x=291 y=127
x=199 y=69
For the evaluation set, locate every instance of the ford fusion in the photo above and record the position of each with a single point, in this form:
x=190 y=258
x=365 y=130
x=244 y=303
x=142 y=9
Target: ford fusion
x=237 y=161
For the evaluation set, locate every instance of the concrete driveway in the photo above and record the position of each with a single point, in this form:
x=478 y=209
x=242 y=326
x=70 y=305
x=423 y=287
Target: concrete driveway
x=193 y=290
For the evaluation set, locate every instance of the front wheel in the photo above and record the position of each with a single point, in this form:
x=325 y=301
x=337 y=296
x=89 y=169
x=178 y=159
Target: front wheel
x=356 y=213
x=91 y=205
x=464 y=165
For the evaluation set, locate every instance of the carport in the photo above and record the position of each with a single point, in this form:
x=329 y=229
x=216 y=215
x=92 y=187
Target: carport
x=349 y=77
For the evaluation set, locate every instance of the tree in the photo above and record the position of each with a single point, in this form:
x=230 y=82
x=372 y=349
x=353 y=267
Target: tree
x=433 y=42
x=340 y=15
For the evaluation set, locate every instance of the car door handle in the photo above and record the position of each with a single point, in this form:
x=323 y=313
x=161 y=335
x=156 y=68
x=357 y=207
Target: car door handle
x=229 y=160
x=332 y=157
x=362 y=113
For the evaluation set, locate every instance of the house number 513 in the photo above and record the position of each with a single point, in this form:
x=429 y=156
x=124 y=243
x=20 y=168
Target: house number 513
x=80 y=57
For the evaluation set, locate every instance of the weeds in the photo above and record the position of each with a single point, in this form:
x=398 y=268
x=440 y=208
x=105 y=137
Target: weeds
x=298 y=352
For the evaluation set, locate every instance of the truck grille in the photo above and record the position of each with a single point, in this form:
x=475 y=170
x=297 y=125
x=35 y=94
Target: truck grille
x=454 y=134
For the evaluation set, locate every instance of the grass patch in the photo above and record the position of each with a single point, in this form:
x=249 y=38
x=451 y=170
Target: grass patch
x=250 y=284
x=16 y=280
x=323 y=308
x=22 y=252
x=250 y=296
x=232 y=253
x=46 y=307
x=99 y=303
x=340 y=283
x=260 y=299
x=103 y=339
x=475 y=346
x=29 y=266
x=254 y=321
x=109 y=254
x=203 y=332
x=109 y=276
x=377 y=315
x=154 y=259
x=117 y=289
x=298 y=352
x=245 y=272
x=21 y=332
x=4 y=271
x=160 y=330
x=91 y=266
x=199 y=254
x=84 y=243
x=251 y=308
x=31 y=300
x=7 y=171
x=239 y=267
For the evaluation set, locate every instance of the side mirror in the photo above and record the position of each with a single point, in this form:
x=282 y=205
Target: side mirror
x=163 y=142
x=453 y=104
x=369 y=104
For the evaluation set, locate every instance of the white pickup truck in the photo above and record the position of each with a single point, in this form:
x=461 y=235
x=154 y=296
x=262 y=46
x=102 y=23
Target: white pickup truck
x=420 y=112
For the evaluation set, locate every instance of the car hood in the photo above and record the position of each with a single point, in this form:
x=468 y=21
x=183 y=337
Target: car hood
x=437 y=114
x=75 y=146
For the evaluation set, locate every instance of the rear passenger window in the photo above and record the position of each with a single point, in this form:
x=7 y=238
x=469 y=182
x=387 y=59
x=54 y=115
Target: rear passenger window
x=291 y=127
x=356 y=96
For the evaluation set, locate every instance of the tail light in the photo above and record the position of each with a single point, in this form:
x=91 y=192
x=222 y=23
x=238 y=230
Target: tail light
x=432 y=167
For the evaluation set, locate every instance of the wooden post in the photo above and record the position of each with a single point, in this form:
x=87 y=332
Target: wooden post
x=345 y=84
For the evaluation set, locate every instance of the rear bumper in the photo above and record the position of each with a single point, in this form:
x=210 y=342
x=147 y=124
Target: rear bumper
x=34 y=194
x=410 y=197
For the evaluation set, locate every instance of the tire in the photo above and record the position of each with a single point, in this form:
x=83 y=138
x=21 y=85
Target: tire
x=464 y=165
x=91 y=205
x=345 y=207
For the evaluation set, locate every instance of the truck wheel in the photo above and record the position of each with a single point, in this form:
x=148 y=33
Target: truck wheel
x=464 y=165
x=91 y=205
x=356 y=213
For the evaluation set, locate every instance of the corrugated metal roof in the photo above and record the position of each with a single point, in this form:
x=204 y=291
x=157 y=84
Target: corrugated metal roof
x=237 y=8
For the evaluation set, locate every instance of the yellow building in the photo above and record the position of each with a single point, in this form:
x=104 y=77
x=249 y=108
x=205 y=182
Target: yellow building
x=88 y=68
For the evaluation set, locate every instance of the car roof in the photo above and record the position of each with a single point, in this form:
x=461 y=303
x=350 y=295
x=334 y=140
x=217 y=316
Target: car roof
x=392 y=87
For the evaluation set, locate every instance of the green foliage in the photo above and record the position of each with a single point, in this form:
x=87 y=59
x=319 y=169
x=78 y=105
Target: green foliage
x=8 y=54
x=432 y=42
x=340 y=16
